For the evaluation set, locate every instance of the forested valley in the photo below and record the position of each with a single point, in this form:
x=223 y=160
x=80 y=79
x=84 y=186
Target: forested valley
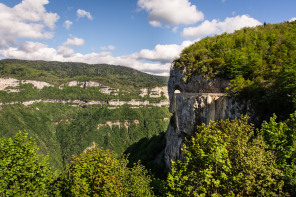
x=117 y=150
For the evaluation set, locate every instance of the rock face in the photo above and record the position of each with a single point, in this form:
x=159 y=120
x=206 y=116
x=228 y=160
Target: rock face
x=198 y=101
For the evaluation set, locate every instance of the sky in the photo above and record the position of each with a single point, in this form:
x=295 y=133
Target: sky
x=146 y=35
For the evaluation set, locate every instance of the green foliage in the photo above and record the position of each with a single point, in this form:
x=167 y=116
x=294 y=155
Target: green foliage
x=280 y=138
x=225 y=159
x=23 y=172
x=150 y=152
x=101 y=173
x=40 y=121
x=61 y=72
x=117 y=138
x=259 y=61
x=126 y=80
x=62 y=130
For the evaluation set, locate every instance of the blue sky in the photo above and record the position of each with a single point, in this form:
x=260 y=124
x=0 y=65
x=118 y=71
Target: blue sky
x=143 y=34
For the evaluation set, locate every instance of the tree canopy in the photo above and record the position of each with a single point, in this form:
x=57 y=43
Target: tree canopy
x=225 y=158
x=102 y=173
x=260 y=62
x=23 y=172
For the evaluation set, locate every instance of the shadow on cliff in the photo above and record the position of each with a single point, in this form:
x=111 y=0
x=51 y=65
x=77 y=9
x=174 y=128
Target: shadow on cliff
x=150 y=151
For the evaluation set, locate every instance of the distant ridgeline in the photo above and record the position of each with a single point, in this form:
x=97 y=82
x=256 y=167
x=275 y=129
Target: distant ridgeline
x=71 y=107
x=260 y=63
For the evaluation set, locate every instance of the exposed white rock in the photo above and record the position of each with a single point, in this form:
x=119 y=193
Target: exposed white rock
x=195 y=102
x=106 y=90
x=125 y=124
x=8 y=82
x=92 y=146
x=12 y=90
x=144 y=92
x=84 y=84
x=26 y=103
x=157 y=91
x=73 y=83
x=92 y=84
x=112 y=103
x=12 y=85
x=38 y=84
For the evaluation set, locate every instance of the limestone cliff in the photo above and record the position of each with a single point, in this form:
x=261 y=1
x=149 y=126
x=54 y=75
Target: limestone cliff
x=193 y=103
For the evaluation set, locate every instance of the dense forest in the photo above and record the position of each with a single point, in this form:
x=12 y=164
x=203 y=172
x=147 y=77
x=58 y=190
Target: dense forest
x=259 y=61
x=126 y=82
x=223 y=158
x=65 y=129
x=61 y=72
x=62 y=130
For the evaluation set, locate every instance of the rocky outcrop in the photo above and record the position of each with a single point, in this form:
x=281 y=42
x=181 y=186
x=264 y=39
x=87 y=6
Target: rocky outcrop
x=197 y=83
x=8 y=82
x=155 y=92
x=198 y=101
x=125 y=124
x=114 y=103
x=38 y=84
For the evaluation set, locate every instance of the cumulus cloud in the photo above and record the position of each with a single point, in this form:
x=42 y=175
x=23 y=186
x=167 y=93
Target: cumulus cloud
x=31 y=51
x=74 y=42
x=83 y=13
x=292 y=19
x=156 y=61
x=229 y=25
x=110 y=47
x=65 y=51
x=163 y=53
x=170 y=12
x=28 y=19
x=67 y=24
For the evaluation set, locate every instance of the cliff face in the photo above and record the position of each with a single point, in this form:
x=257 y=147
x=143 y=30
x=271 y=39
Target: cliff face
x=198 y=101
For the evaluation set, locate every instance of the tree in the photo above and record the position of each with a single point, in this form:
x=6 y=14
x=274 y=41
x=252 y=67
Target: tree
x=225 y=158
x=23 y=172
x=280 y=138
x=101 y=173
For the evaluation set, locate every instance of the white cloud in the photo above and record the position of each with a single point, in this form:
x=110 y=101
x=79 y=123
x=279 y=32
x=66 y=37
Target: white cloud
x=83 y=13
x=229 y=25
x=159 y=58
x=28 y=19
x=155 y=23
x=170 y=12
x=110 y=47
x=292 y=19
x=65 y=51
x=31 y=51
x=74 y=42
x=163 y=53
x=67 y=24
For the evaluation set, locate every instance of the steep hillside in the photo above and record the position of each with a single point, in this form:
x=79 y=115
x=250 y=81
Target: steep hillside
x=251 y=71
x=260 y=63
x=72 y=107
